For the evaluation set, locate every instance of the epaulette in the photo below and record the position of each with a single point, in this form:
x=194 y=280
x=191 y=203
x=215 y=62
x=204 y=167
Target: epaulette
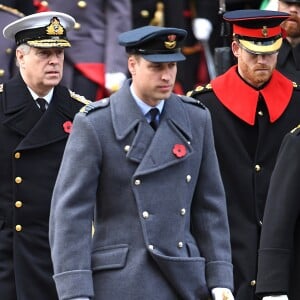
x=296 y=130
x=193 y=101
x=199 y=89
x=296 y=86
x=1 y=87
x=92 y=106
x=79 y=98
x=11 y=10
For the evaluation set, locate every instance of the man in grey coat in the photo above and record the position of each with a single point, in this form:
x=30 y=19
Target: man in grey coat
x=150 y=185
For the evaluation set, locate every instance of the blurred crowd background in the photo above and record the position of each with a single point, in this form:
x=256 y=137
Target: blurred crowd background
x=96 y=65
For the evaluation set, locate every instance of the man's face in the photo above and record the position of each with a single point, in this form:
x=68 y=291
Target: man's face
x=152 y=82
x=292 y=24
x=41 y=68
x=255 y=69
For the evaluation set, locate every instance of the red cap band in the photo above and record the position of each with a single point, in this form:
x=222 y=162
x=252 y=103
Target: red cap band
x=264 y=32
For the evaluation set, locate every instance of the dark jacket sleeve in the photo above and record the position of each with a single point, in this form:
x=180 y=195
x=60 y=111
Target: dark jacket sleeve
x=280 y=219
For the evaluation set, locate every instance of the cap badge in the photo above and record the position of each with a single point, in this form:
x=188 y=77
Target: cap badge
x=264 y=31
x=55 y=28
x=171 y=43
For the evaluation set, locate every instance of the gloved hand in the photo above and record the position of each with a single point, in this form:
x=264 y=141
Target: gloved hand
x=113 y=81
x=202 y=29
x=221 y=294
x=277 y=297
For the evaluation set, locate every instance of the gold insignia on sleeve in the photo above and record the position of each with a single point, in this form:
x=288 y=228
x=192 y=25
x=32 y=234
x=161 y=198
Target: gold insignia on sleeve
x=55 y=28
x=199 y=88
x=189 y=93
x=294 y=129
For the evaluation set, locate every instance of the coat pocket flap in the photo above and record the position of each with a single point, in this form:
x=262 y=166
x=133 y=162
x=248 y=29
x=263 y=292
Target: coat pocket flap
x=186 y=274
x=110 y=257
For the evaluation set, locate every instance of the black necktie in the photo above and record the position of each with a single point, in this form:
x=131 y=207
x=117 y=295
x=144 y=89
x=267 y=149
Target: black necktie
x=42 y=103
x=153 y=114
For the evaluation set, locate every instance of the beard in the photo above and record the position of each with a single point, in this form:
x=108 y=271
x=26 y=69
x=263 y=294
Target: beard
x=292 y=27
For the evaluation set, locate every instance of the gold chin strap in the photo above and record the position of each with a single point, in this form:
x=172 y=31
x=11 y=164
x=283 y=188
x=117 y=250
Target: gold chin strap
x=159 y=15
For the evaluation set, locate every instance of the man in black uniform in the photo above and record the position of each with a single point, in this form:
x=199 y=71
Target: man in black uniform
x=253 y=106
x=33 y=134
x=289 y=54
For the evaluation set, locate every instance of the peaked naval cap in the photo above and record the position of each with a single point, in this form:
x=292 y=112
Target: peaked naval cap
x=41 y=30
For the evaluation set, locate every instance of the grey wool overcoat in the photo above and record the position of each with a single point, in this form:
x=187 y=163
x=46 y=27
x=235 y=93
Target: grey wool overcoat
x=156 y=199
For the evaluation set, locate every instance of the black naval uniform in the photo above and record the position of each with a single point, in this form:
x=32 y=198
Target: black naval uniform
x=32 y=145
x=279 y=255
x=247 y=151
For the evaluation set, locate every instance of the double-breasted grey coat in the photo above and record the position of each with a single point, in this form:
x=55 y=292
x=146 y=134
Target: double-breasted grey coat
x=157 y=202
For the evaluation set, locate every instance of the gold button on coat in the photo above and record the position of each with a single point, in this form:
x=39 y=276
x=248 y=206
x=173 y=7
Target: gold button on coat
x=18 y=180
x=260 y=113
x=44 y=3
x=188 y=178
x=18 y=227
x=151 y=247
x=17 y=155
x=18 y=204
x=257 y=168
x=145 y=215
x=2 y=72
x=77 y=26
x=144 y=13
x=127 y=148
x=81 y=4
x=137 y=182
x=253 y=283
x=180 y=244
x=182 y=211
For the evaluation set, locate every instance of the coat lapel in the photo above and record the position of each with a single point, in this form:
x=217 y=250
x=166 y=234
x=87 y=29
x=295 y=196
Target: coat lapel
x=23 y=116
x=20 y=111
x=173 y=132
x=152 y=150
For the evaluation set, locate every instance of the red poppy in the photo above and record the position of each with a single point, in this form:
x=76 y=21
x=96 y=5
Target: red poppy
x=179 y=150
x=67 y=126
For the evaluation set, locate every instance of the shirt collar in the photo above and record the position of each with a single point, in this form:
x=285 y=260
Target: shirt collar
x=48 y=97
x=143 y=106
